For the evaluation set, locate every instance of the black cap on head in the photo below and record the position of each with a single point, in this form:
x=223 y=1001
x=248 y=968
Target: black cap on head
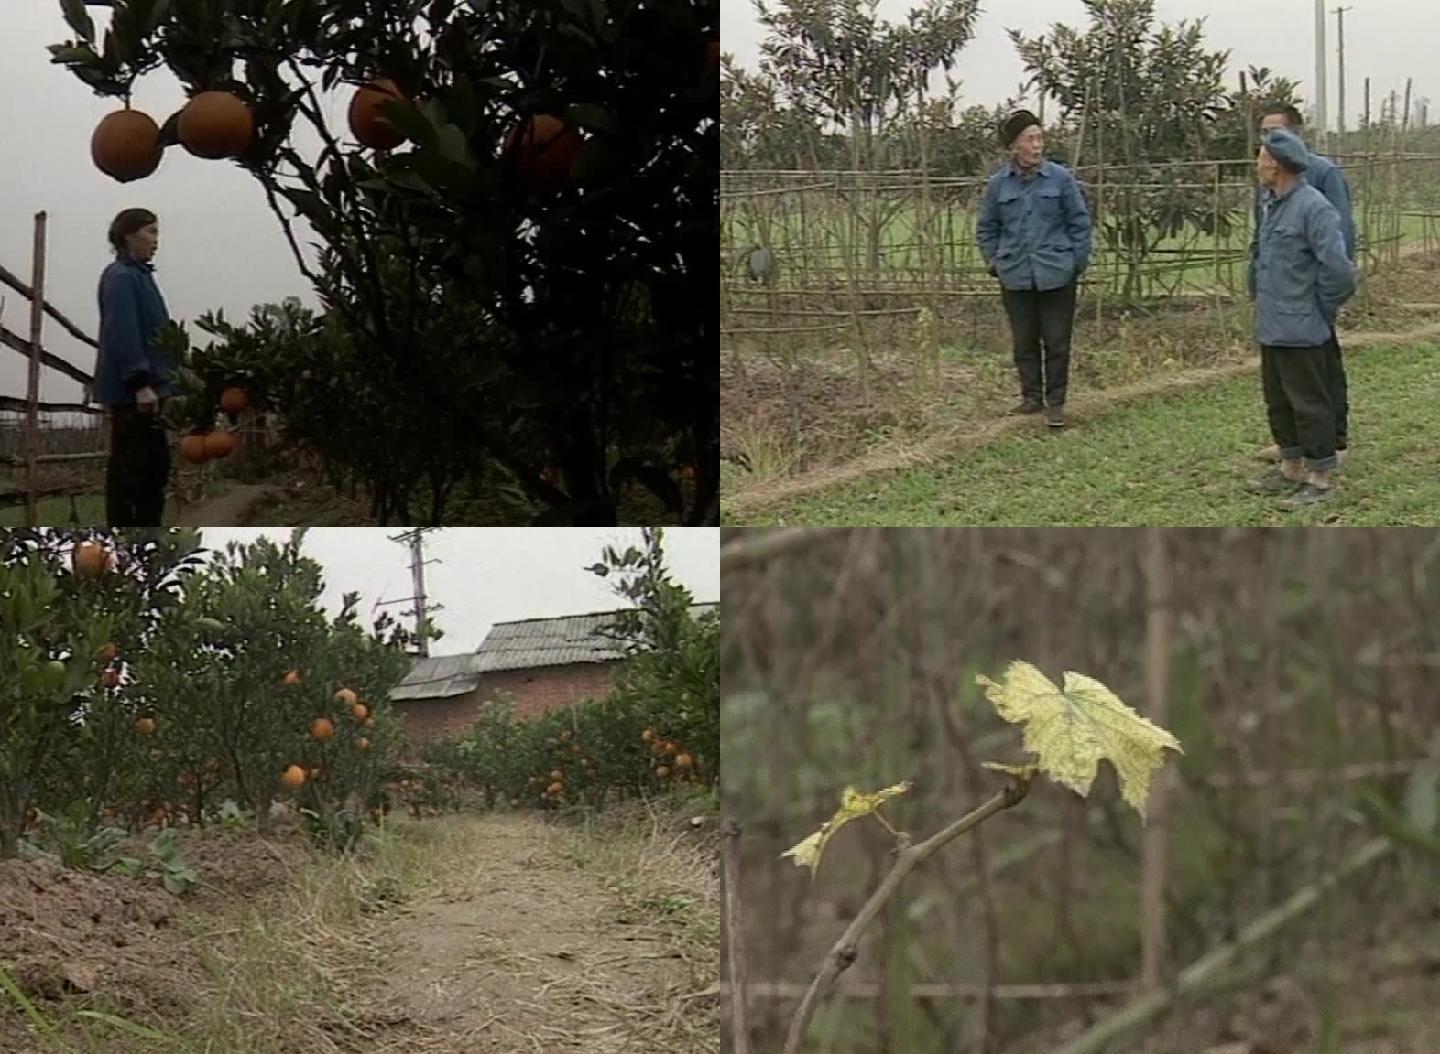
x=1016 y=123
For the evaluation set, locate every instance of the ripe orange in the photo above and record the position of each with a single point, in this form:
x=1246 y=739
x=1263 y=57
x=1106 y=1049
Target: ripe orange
x=126 y=145
x=110 y=678
x=361 y=711
x=663 y=772
x=192 y=448
x=556 y=774
x=216 y=124
x=684 y=761
x=648 y=735
x=557 y=788
x=220 y=443
x=362 y=744
x=234 y=400
x=90 y=559
x=145 y=726
x=657 y=749
x=368 y=123
x=322 y=728
x=293 y=777
x=541 y=149
x=345 y=697
x=369 y=722
x=292 y=678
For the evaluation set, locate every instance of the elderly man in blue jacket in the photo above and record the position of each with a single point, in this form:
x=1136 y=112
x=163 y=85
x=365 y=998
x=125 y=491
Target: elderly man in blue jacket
x=1300 y=277
x=1326 y=177
x=1034 y=232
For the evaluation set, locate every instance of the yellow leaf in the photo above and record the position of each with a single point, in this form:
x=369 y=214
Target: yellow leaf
x=853 y=804
x=1071 y=730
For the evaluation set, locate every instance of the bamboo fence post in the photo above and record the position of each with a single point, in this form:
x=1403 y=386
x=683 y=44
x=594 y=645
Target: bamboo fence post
x=37 y=322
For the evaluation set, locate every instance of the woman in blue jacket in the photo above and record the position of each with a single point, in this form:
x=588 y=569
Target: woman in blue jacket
x=133 y=376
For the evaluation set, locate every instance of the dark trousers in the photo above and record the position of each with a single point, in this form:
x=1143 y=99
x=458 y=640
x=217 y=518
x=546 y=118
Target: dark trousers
x=138 y=471
x=1298 y=385
x=1339 y=393
x=1042 y=317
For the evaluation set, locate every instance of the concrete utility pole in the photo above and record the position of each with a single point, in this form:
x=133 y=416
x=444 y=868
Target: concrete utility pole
x=1320 y=117
x=1340 y=72
x=416 y=540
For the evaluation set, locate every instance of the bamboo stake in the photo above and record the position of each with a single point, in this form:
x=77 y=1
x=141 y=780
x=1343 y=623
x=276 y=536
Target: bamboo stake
x=37 y=322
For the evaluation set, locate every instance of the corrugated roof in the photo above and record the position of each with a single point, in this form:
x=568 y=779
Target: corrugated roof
x=521 y=645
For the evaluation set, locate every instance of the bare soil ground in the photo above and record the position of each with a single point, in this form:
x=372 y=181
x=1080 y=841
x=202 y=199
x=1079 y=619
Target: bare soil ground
x=468 y=933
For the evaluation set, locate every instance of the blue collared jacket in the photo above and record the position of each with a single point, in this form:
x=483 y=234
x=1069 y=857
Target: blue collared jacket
x=1035 y=233
x=131 y=311
x=1301 y=273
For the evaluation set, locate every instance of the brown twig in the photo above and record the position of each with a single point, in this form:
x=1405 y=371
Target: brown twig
x=907 y=858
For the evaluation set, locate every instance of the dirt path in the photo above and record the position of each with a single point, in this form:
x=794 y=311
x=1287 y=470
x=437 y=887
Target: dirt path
x=230 y=510
x=518 y=950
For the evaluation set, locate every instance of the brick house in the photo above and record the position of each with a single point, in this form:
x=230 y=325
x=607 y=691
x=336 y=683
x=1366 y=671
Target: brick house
x=543 y=664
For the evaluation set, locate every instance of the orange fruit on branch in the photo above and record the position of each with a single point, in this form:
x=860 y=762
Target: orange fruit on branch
x=361 y=711
x=293 y=777
x=368 y=123
x=292 y=678
x=192 y=449
x=369 y=722
x=220 y=443
x=362 y=744
x=663 y=772
x=684 y=761
x=145 y=726
x=126 y=145
x=556 y=774
x=648 y=735
x=322 y=728
x=541 y=149
x=90 y=560
x=234 y=400
x=345 y=697
x=216 y=124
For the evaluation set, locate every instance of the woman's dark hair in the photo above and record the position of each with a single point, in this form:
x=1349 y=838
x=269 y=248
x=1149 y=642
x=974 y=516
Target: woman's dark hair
x=127 y=223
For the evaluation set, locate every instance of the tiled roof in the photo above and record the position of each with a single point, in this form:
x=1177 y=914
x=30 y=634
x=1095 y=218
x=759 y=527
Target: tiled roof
x=522 y=645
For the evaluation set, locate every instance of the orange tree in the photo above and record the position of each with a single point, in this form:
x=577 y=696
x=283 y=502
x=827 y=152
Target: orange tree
x=520 y=267
x=670 y=682
x=73 y=606
x=262 y=683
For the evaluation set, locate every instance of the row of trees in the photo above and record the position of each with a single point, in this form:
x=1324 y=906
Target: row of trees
x=149 y=682
x=482 y=316
x=839 y=87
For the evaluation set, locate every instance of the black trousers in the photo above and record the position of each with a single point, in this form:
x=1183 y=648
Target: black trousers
x=1339 y=392
x=1042 y=317
x=138 y=471
x=1298 y=385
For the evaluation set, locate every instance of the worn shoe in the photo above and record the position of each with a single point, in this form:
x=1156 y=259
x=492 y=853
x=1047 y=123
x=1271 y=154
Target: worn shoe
x=1055 y=416
x=1273 y=482
x=1305 y=494
x=1025 y=407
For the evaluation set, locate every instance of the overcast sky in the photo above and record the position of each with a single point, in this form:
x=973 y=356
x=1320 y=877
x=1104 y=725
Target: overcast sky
x=220 y=245
x=1386 y=40
x=485 y=575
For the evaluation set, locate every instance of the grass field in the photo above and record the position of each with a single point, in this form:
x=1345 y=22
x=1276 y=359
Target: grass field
x=1180 y=460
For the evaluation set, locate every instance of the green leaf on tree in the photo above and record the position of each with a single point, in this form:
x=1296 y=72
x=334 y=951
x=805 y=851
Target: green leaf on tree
x=1070 y=730
x=853 y=804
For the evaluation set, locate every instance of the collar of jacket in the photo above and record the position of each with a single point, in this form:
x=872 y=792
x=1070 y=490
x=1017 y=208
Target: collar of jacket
x=1299 y=179
x=1044 y=168
x=126 y=258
